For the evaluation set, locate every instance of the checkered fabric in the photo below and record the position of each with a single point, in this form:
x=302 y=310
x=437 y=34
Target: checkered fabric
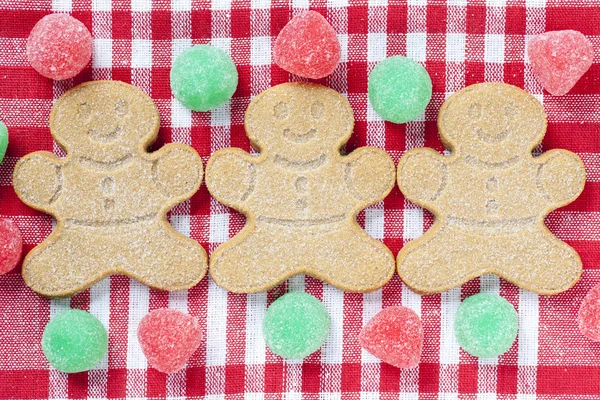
x=460 y=43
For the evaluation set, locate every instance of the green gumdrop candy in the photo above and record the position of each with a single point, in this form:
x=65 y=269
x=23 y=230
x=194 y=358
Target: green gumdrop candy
x=486 y=325
x=3 y=140
x=74 y=341
x=399 y=89
x=203 y=78
x=296 y=325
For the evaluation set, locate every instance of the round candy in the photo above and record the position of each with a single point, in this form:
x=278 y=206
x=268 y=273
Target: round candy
x=3 y=140
x=486 y=325
x=203 y=78
x=169 y=338
x=11 y=245
x=74 y=341
x=59 y=46
x=589 y=314
x=307 y=46
x=394 y=335
x=296 y=325
x=399 y=89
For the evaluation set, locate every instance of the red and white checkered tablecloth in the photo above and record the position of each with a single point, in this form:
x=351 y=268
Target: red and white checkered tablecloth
x=460 y=43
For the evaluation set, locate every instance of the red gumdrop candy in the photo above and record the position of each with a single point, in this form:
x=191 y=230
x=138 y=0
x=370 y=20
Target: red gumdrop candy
x=59 y=46
x=394 y=335
x=589 y=314
x=11 y=245
x=307 y=46
x=559 y=59
x=169 y=338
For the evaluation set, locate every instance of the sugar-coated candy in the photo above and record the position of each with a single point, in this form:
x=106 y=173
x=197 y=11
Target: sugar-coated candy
x=11 y=245
x=3 y=140
x=296 y=325
x=588 y=316
x=394 y=335
x=559 y=59
x=203 y=78
x=399 y=89
x=169 y=338
x=59 y=46
x=307 y=46
x=74 y=341
x=486 y=325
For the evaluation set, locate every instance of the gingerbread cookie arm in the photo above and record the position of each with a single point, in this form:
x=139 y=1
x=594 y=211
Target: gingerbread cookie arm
x=369 y=174
x=422 y=176
x=560 y=177
x=230 y=176
x=37 y=180
x=177 y=171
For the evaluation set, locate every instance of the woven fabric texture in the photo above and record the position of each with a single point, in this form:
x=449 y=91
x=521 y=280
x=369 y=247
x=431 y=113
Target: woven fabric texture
x=460 y=43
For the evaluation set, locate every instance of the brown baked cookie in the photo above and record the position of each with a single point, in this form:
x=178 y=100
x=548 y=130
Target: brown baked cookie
x=300 y=195
x=109 y=195
x=490 y=196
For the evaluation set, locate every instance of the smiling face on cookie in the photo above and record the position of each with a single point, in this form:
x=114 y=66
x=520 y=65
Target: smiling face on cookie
x=299 y=122
x=492 y=123
x=104 y=122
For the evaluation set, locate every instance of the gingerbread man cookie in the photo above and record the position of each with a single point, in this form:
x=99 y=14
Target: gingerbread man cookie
x=490 y=196
x=300 y=195
x=109 y=195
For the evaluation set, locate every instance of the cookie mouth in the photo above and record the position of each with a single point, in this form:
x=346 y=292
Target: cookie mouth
x=301 y=137
x=487 y=137
x=105 y=137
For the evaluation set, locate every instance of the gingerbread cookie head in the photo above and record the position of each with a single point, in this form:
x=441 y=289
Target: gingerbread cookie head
x=299 y=122
x=494 y=129
x=104 y=122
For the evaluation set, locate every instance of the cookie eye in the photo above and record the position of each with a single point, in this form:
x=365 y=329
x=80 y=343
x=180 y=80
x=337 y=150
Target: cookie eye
x=84 y=112
x=317 y=109
x=511 y=112
x=475 y=111
x=281 y=110
x=121 y=107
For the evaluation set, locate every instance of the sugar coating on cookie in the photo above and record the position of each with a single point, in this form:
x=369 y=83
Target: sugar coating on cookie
x=300 y=195
x=486 y=325
x=74 y=341
x=59 y=46
x=307 y=46
x=296 y=325
x=399 y=89
x=109 y=195
x=169 y=338
x=559 y=59
x=588 y=317
x=3 y=140
x=490 y=196
x=11 y=245
x=203 y=78
x=394 y=335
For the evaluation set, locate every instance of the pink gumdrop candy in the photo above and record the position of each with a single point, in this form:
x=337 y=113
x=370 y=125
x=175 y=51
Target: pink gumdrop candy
x=559 y=59
x=169 y=338
x=59 y=46
x=589 y=314
x=307 y=46
x=11 y=245
x=394 y=335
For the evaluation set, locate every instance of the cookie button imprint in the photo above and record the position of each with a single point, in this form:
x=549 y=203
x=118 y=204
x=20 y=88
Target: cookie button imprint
x=300 y=196
x=109 y=196
x=490 y=196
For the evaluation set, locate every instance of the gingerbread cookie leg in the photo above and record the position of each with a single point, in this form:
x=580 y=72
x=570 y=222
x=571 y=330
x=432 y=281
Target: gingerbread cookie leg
x=163 y=258
x=362 y=263
x=48 y=269
x=260 y=257
x=549 y=268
